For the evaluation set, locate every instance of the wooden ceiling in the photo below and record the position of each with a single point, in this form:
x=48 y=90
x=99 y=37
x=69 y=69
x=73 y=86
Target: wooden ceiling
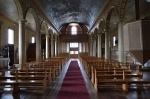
x=83 y=13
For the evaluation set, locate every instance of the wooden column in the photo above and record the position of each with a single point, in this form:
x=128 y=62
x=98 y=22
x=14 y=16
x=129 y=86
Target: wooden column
x=99 y=46
x=55 y=45
x=38 y=45
x=107 y=49
x=0 y=32
x=121 y=55
x=47 y=45
x=58 y=45
x=94 y=47
x=91 y=46
x=52 y=45
x=22 y=48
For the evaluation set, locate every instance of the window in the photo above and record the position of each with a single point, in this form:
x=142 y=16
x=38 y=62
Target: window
x=33 y=40
x=73 y=52
x=80 y=47
x=74 y=30
x=67 y=47
x=10 y=36
x=73 y=45
x=114 y=41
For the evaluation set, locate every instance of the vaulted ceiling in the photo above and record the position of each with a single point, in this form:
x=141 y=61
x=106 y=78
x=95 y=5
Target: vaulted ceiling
x=62 y=12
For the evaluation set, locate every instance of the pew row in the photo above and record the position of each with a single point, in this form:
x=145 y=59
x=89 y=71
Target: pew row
x=123 y=82
x=31 y=74
x=24 y=81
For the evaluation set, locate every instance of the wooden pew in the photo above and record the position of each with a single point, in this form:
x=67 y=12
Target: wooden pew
x=2 y=72
x=24 y=81
x=108 y=71
x=25 y=84
x=123 y=82
x=32 y=77
x=55 y=69
x=107 y=68
x=33 y=74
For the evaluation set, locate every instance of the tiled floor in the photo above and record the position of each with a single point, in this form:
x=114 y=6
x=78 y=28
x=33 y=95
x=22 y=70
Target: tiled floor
x=107 y=93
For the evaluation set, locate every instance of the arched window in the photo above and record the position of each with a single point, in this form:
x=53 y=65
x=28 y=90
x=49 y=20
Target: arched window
x=114 y=41
x=74 y=30
x=10 y=36
x=33 y=39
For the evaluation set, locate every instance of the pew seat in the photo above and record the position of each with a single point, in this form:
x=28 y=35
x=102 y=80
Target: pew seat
x=17 y=84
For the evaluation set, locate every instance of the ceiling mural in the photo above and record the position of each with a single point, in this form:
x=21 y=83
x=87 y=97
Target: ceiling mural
x=66 y=11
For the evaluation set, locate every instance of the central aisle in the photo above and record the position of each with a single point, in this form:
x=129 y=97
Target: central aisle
x=73 y=86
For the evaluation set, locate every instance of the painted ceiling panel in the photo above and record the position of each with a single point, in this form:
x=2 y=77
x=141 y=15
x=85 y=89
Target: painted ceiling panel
x=66 y=11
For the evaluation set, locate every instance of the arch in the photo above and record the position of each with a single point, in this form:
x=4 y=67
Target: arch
x=30 y=21
x=32 y=12
x=73 y=30
x=51 y=33
x=44 y=28
x=19 y=8
x=95 y=32
x=122 y=9
x=101 y=26
x=69 y=28
x=113 y=9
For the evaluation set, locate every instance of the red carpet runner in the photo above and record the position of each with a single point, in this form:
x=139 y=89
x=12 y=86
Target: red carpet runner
x=73 y=86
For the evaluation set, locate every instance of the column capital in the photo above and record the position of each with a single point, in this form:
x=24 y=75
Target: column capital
x=47 y=36
x=122 y=19
x=119 y=21
x=37 y=30
x=52 y=38
x=20 y=20
x=99 y=33
x=106 y=30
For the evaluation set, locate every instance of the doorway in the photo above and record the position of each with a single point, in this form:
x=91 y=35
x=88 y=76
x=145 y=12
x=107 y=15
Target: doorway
x=74 y=50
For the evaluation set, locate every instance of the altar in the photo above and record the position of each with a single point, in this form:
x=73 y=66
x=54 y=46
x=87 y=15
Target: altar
x=4 y=62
